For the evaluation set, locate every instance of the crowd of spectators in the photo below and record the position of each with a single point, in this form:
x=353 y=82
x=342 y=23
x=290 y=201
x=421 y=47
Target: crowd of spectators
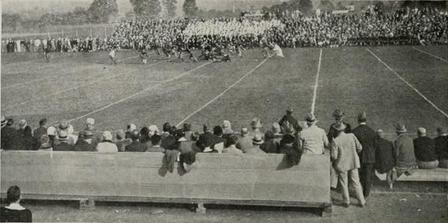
x=402 y=26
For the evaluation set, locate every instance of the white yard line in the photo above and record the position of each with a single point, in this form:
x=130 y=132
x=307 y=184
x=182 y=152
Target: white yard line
x=222 y=93
x=409 y=85
x=138 y=93
x=430 y=54
x=316 y=83
x=89 y=82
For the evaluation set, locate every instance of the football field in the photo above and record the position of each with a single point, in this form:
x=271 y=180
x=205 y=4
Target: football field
x=392 y=84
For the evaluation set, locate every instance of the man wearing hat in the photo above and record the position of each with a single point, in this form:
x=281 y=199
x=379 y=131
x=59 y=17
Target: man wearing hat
x=255 y=148
x=86 y=142
x=338 y=116
x=136 y=145
x=245 y=141
x=62 y=142
x=9 y=135
x=290 y=119
x=404 y=151
x=441 y=144
x=313 y=139
x=107 y=146
x=256 y=128
x=41 y=130
x=366 y=137
x=344 y=153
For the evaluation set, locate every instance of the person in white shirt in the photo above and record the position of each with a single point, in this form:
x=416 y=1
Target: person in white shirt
x=313 y=140
x=107 y=146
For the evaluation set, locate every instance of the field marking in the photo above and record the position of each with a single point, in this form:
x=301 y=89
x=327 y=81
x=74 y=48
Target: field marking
x=222 y=93
x=316 y=83
x=409 y=84
x=137 y=93
x=430 y=54
x=89 y=82
x=49 y=77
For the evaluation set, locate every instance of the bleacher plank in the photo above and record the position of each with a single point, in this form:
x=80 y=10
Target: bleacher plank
x=427 y=175
x=217 y=178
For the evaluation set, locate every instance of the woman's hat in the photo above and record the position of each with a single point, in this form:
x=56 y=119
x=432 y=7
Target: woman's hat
x=257 y=140
x=310 y=117
x=107 y=135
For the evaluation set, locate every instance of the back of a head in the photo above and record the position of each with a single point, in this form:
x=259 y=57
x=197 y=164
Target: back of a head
x=120 y=135
x=187 y=127
x=156 y=140
x=166 y=127
x=43 y=122
x=380 y=133
x=362 y=117
x=421 y=131
x=244 y=131
x=13 y=194
x=28 y=131
x=232 y=140
x=217 y=130
x=135 y=135
x=107 y=136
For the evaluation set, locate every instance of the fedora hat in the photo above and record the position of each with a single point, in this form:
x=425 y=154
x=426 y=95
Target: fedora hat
x=338 y=113
x=362 y=116
x=340 y=127
x=400 y=128
x=310 y=117
x=257 y=140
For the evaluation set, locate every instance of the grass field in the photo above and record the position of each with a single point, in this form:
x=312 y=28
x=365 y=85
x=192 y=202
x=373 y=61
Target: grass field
x=392 y=84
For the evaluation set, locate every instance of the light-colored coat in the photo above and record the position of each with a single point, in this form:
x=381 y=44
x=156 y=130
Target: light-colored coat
x=344 y=152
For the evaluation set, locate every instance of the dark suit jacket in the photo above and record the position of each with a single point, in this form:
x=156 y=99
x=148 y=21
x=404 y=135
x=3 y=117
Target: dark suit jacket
x=291 y=120
x=332 y=132
x=384 y=155
x=9 y=138
x=63 y=146
x=136 y=146
x=441 y=143
x=82 y=145
x=424 y=149
x=366 y=137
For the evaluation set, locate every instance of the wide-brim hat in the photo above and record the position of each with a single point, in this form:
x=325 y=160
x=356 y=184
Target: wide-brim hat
x=400 y=128
x=310 y=117
x=338 y=113
x=257 y=140
x=340 y=127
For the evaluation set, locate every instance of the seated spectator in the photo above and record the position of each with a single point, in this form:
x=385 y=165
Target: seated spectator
x=45 y=143
x=41 y=130
x=217 y=142
x=313 y=139
x=227 y=128
x=52 y=133
x=187 y=131
x=288 y=118
x=10 y=138
x=130 y=128
x=107 y=146
x=65 y=126
x=14 y=212
x=153 y=130
x=195 y=139
x=62 y=142
x=404 y=151
x=85 y=143
x=144 y=136
x=290 y=147
x=256 y=126
x=384 y=157
x=441 y=144
x=205 y=139
x=245 y=141
x=277 y=131
x=156 y=142
x=121 y=140
x=168 y=139
x=136 y=145
x=21 y=135
x=257 y=141
x=269 y=145
x=231 y=149
x=425 y=151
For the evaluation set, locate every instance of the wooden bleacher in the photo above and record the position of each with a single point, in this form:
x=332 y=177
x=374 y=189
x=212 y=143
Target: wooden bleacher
x=138 y=177
x=427 y=175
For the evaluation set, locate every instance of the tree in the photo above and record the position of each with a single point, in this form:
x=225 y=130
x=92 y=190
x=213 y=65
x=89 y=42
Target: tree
x=101 y=11
x=170 y=6
x=147 y=8
x=190 y=8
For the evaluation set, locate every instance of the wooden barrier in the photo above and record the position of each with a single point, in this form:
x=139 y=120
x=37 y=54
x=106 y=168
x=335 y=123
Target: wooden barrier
x=427 y=175
x=138 y=177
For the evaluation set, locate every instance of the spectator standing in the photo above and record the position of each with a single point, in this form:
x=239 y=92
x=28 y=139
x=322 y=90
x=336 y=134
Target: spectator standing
x=338 y=116
x=366 y=137
x=384 y=157
x=121 y=140
x=9 y=136
x=404 y=151
x=14 y=212
x=441 y=144
x=344 y=153
x=312 y=139
x=289 y=118
x=41 y=130
x=62 y=142
x=425 y=151
x=107 y=146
